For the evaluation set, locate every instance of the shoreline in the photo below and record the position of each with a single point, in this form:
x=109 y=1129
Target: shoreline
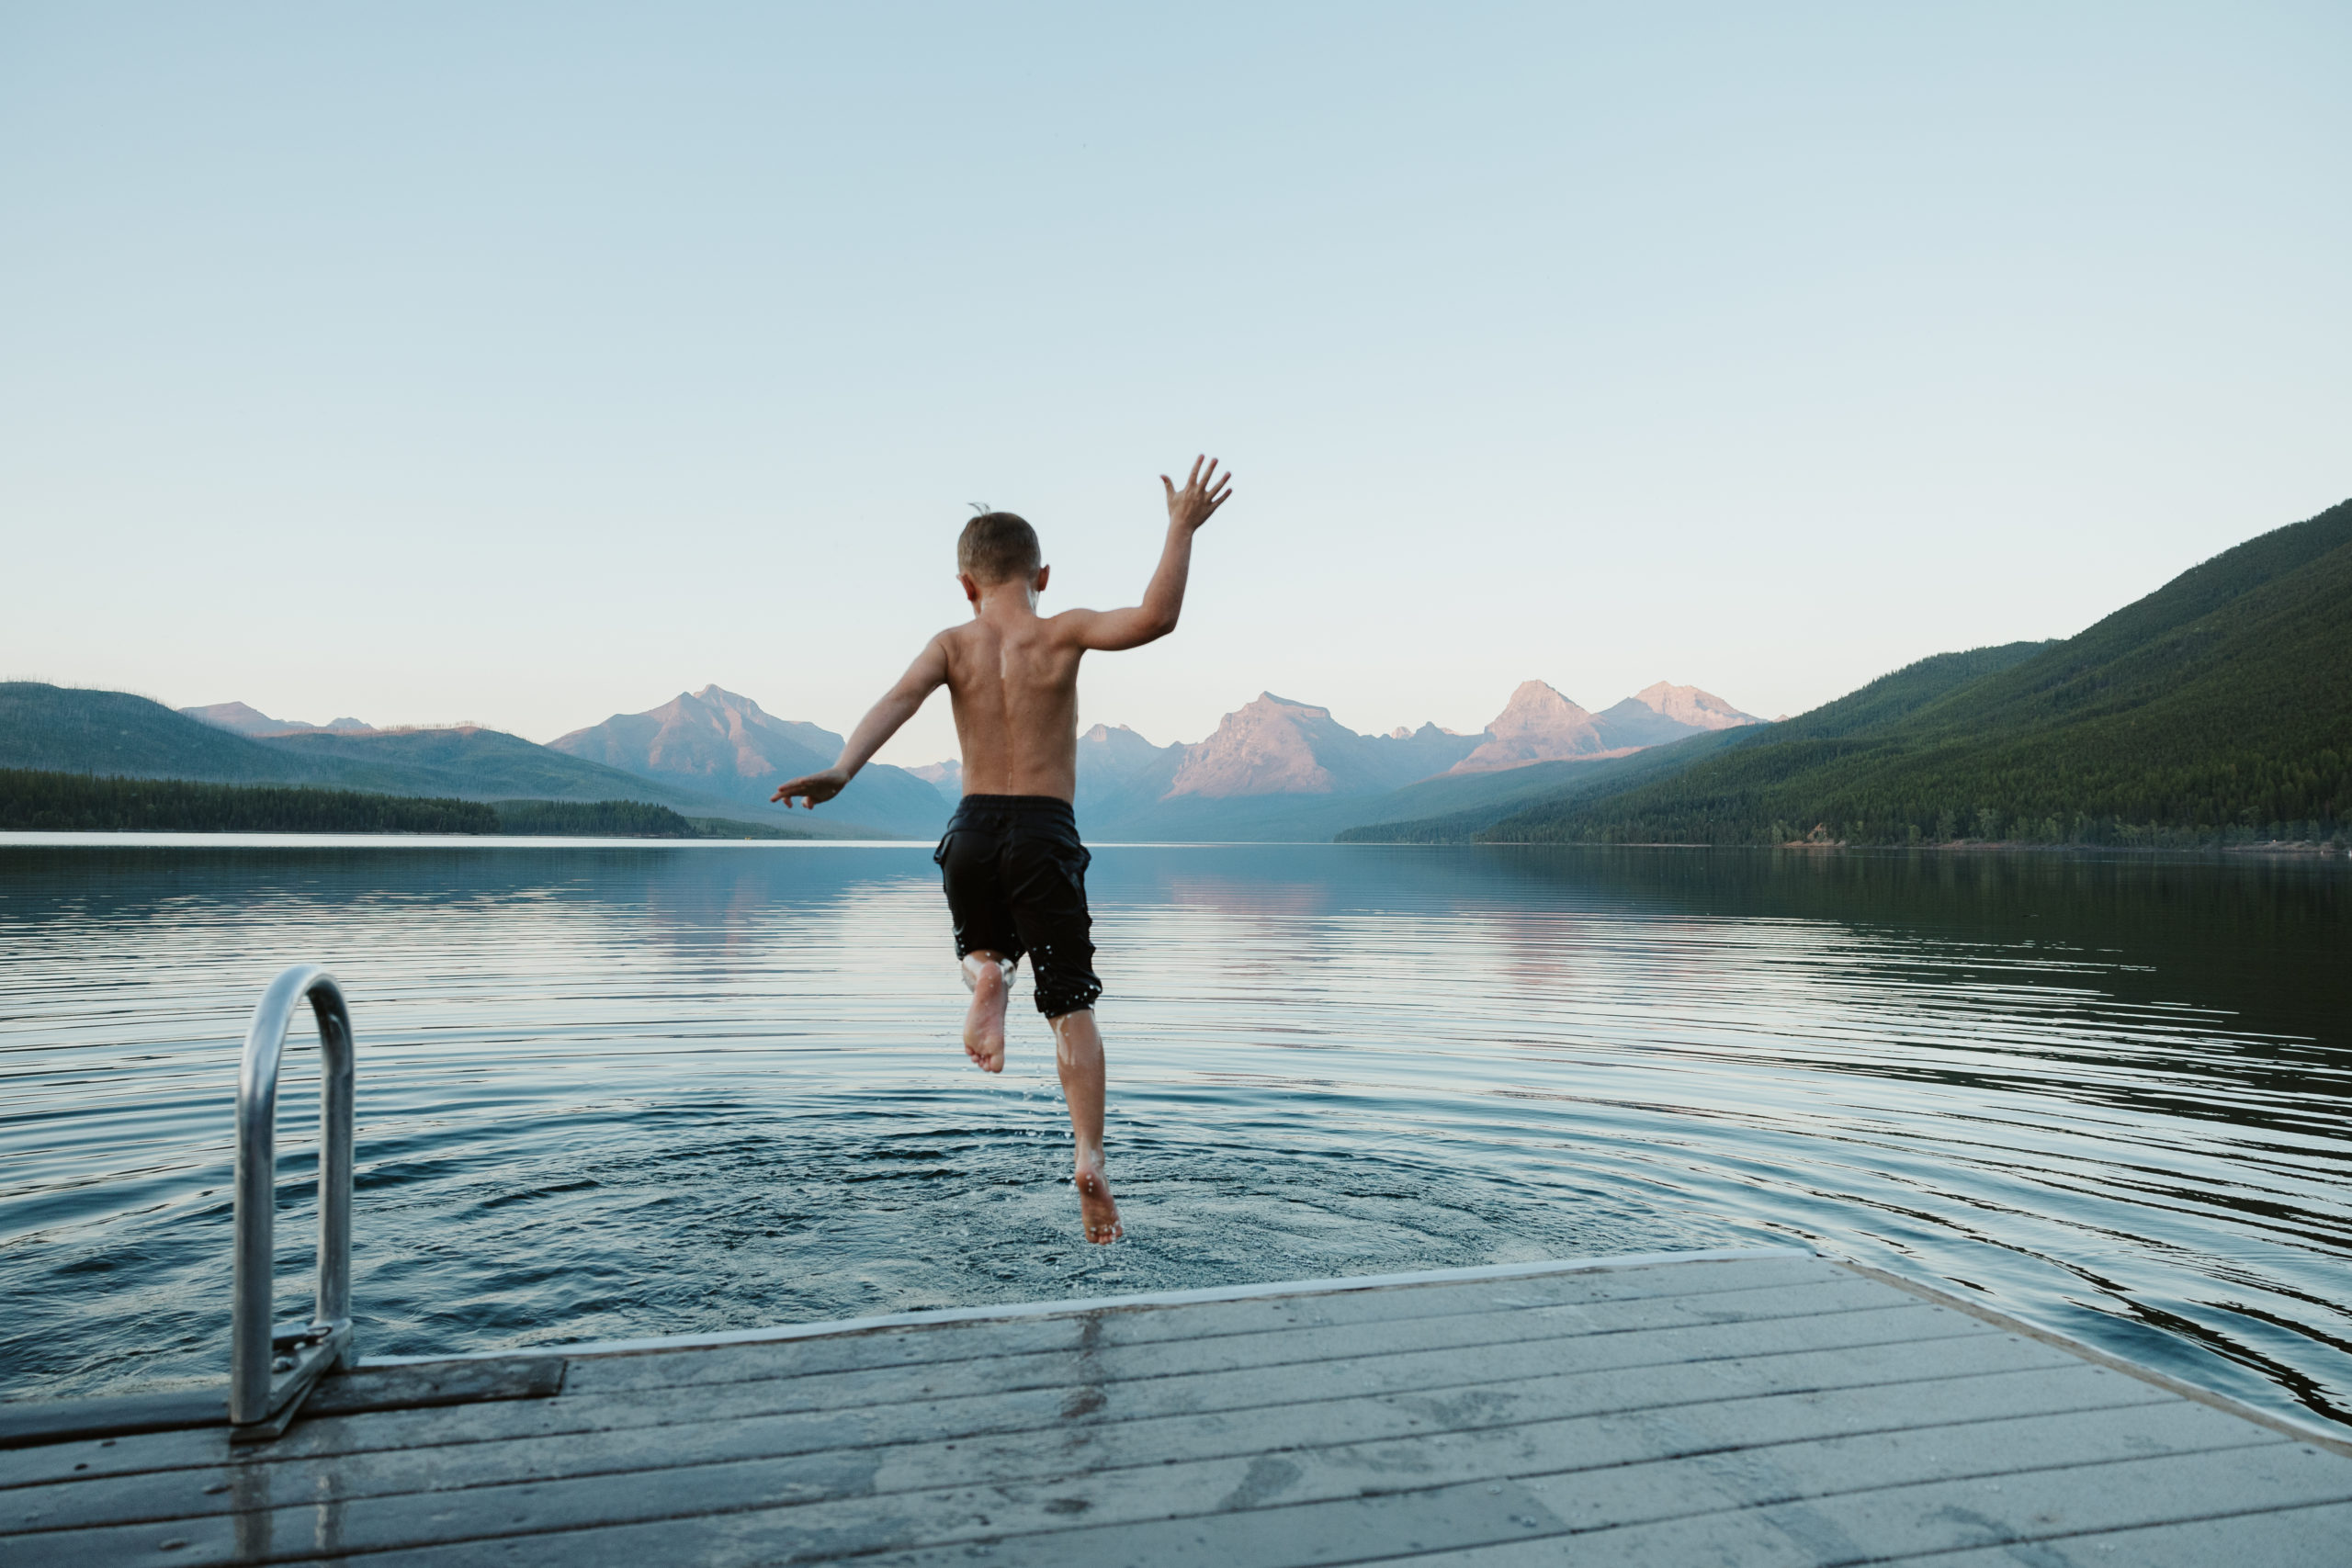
x=133 y=838
x=2305 y=849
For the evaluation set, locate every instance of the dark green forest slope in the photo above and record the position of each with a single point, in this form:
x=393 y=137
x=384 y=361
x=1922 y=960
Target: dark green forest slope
x=622 y=819
x=34 y=801
x=1549 y=787
x=1822 y=732
x=2219 y=707
x=78 y=802
x=67 y=729
x=72 y=730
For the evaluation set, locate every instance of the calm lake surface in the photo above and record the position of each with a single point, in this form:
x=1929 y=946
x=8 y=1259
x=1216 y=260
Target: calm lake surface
x=610 y=1091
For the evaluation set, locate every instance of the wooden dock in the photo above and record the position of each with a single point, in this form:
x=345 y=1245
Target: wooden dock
x=1757 y=1408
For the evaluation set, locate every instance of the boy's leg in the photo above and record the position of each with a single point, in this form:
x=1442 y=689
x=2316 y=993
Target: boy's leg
x=1078 y=1054
x=1046 y=888
x=987 y=940
x=989 y=976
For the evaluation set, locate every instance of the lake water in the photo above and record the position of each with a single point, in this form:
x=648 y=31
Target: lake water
x=623 y=1090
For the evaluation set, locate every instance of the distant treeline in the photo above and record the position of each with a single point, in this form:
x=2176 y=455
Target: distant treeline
x=39 y=802
x=591 y=819
x=2029 y=794
x=83 y=803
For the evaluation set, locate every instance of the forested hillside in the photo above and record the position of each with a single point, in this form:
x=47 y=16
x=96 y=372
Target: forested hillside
x=65 y=729
x=2220 y=706
x=68 y=730
x=78 y=802
x=1464 y=813
x=33 y=801
x=622 y=819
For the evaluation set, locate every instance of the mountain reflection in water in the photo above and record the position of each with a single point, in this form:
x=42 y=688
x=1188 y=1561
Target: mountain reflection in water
x=643 y=1090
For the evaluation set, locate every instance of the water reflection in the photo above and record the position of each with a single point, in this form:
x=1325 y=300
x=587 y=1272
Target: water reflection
x=643 y=1090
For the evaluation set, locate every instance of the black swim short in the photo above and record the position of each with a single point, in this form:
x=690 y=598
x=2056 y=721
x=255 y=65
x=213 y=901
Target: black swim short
x=1015 y=875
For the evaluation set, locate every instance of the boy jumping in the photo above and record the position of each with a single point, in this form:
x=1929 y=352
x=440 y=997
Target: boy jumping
x=1012 y=862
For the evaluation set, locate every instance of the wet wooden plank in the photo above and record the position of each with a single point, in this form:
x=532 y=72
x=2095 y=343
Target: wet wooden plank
x=1503 y=1523
x=39 y=1423
x=2284 y=1538
x=1276 y=1510
x=1032 y=1437
x=868 y=1499
x=1092 y=1356
x=1691 y=1289
x=1772 y=1409
x=106 y=1420
x=434 y=1384
x=1742 y=1504
x=1074 y=1365
x=2151 y=1497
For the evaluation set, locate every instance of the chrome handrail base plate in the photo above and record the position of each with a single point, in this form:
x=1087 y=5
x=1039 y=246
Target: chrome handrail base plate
x=290 y=1388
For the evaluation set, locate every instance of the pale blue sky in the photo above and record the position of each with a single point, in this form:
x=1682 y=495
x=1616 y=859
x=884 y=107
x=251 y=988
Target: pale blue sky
x=527 y=364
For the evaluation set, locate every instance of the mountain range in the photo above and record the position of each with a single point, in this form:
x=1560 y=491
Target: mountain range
x=2219 y=704
x=725 y=746
x=1275 y=768
x=1539 y=724
x=240 y=719
x=2217 y=708
x=1279 y=768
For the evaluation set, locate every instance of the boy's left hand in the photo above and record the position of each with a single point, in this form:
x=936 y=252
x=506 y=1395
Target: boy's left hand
x=814 y=787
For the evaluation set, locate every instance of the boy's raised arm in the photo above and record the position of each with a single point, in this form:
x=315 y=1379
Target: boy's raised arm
x=1163 y=600
x=925 y=676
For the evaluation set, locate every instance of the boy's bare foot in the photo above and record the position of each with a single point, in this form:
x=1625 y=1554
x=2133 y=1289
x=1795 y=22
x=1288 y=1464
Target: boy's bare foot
x=984 y=1023
x=1094 y=1204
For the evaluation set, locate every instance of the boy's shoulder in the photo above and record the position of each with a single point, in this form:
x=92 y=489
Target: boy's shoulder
x=1063 y=626
x=963 y=640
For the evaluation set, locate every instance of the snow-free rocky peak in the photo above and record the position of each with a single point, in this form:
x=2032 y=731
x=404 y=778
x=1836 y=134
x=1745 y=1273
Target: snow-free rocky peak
x=1538 y=724
x=1688 y=704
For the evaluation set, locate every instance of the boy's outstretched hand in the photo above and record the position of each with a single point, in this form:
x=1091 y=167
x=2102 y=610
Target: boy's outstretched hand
x=812 y=787
x=1203 y=494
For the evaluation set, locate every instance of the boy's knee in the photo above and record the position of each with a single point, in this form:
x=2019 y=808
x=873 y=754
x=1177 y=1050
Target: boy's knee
x=974 y=965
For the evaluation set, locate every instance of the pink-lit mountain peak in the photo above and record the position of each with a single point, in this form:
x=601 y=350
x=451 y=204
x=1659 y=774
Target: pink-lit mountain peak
x=723 y=743
x=1538 y=724
x=1688 y=704
x=1267 y=746
x=713 y=733
x=1276 y=746
x=241 y=718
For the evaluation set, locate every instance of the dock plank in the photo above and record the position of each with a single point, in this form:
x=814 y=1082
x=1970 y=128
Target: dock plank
x=838 y=1499
x=2155 y=1494
x=1689 y=1290
x=1082 y=1360
x=1050 y=1425
x=1339 y=1505
x=1775 y=1409
x=1764 y=1502
x=2282 y=1538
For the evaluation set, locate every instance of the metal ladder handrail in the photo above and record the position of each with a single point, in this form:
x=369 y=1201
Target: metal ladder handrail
x=271 y=1371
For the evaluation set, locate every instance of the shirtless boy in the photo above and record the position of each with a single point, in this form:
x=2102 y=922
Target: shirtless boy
x=1014 y=870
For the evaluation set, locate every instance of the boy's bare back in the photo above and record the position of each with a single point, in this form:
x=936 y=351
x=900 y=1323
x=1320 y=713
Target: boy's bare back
x=1014 y=681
